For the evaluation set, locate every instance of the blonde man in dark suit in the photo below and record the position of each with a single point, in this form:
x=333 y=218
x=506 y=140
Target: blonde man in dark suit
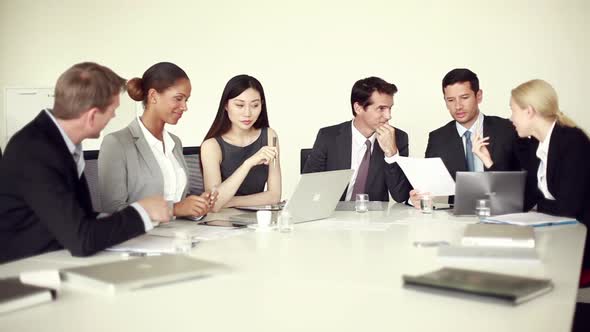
x=45 y=204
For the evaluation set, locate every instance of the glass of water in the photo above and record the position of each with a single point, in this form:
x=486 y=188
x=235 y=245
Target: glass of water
x=285 y=222
x=482 y=208
x=361 y=204
x=426 y=203
x=183 y=243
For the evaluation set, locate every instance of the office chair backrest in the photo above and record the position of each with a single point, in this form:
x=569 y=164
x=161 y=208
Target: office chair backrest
x=192 y=156
x=91 y=174
x=0 y=153
x=304 y=155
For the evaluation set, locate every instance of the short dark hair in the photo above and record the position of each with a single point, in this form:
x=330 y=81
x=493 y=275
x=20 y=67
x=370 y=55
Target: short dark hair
x=234 y=87
x=461 y=75
x=84 y=86
x=363 y=89
x=159 y=77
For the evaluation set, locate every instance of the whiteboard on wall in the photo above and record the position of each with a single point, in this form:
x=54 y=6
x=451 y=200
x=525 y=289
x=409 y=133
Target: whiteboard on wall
x=22 y=105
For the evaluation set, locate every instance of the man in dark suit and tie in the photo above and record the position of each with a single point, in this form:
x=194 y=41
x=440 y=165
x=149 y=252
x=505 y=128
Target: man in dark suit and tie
x=453 y=141
x=45 y=204
x=368 y=144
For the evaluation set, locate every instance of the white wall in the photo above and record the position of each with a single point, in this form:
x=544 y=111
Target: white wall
x=307 y=54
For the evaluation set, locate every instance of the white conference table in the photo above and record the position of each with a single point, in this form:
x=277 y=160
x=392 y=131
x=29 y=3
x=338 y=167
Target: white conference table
x=332 y=274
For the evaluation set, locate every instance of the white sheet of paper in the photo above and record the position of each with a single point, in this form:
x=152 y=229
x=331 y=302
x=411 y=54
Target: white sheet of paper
x=196 y=231
x=428 y=175
x=147 y=244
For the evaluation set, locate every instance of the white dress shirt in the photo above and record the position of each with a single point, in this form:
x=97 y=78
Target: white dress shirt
x=542 y=153
x=477 y=163
x=357 y=152
x=78 y=155
x=173 y=174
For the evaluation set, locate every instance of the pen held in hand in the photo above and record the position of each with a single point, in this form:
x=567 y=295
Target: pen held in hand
x=274 y=144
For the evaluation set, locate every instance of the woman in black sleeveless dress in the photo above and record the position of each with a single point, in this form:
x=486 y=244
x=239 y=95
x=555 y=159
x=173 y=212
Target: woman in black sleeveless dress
x=240 y=152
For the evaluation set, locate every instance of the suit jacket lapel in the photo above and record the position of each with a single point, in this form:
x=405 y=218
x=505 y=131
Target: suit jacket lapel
x=144 y=149
x=456 y=151
x=375 y=166
x=488 y=131
x=344 y=145
x=552 y=157
x=54 y=135
x=343 y=150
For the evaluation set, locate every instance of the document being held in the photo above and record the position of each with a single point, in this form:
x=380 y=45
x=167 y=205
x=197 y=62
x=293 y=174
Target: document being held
x=428 y=175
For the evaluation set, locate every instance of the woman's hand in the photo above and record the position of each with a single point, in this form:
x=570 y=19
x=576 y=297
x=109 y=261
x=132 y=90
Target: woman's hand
x=211 y=197
x=192 y=205
x=264 y=156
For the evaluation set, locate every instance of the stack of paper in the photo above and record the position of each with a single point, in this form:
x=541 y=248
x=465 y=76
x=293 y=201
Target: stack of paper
x=148 y=244
x=498 y=235
x=196 y=231
x=534 y=219
x=487 y=253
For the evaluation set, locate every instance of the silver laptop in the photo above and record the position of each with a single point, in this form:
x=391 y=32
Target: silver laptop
x=315 y=197
x=505 y=190
x=136 y=273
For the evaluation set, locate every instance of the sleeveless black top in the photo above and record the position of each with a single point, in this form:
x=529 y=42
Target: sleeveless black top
x=233 y=157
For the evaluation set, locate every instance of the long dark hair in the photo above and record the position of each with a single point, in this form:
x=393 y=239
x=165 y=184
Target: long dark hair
x=234 y=87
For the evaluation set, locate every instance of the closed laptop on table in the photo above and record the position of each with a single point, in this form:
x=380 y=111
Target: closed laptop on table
x=137 y=273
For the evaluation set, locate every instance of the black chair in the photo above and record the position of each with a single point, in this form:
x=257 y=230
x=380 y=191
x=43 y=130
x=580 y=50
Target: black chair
x=91 y=174
x=0 y=153
x=192 y=156
x=303 y=159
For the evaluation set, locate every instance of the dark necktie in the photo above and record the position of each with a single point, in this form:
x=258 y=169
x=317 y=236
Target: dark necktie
x=468 y=152
x=361 y=177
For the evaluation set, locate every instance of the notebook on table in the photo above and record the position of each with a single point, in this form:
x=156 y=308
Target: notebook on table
x=513 y=289
x=498 y=235
x=315 y=197
x=15 y=295
x=132 y=274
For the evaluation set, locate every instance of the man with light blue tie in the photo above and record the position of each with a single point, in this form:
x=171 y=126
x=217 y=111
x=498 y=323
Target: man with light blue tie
x=453 y=141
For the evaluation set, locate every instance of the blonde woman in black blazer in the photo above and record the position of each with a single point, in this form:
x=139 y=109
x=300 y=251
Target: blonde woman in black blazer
x=556 y=156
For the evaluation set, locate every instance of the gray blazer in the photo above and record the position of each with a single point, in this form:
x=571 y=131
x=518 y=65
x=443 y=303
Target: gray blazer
x=128 y=170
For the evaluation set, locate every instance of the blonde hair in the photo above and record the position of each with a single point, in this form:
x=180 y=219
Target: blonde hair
x=542 y=97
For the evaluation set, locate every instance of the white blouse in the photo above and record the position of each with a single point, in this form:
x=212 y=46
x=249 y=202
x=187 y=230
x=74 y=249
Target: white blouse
x=174 y=176
x=542 y=153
